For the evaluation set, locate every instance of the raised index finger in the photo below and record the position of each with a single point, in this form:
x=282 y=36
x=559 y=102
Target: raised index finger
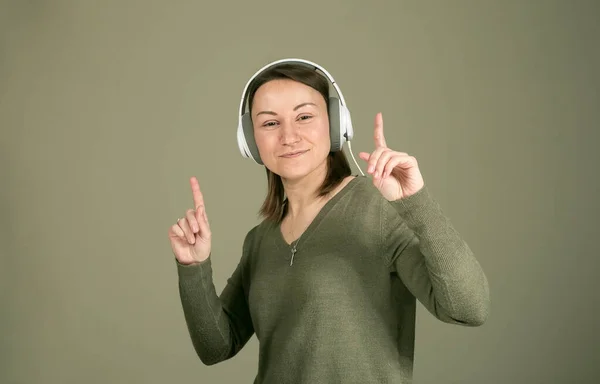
x=198 y=199
x=378 y=134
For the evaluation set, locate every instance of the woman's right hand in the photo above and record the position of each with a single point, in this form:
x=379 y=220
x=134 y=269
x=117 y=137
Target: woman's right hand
x=190 y=237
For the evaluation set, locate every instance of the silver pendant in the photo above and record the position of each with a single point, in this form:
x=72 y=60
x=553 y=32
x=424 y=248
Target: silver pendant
x=293 y=253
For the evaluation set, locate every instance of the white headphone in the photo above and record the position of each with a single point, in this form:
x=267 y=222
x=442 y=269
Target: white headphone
x=340 y=123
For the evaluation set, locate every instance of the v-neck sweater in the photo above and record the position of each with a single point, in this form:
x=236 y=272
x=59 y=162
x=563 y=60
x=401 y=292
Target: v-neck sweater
x=344 y=310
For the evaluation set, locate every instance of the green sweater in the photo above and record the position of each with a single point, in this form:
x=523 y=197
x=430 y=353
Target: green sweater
x=344 y=311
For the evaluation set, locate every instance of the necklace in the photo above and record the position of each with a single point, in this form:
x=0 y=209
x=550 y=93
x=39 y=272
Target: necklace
x=294 y=246
x=294 y=250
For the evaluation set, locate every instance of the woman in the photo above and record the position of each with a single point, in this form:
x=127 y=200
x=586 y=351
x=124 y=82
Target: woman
x=328 y=281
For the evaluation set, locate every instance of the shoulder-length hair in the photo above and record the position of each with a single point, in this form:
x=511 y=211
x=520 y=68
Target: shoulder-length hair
x=274 y=206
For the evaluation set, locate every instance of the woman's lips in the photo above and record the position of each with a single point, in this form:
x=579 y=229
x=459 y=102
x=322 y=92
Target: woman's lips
x=294 y=154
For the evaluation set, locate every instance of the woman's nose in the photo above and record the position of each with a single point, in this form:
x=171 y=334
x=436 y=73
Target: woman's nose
x=289 y=132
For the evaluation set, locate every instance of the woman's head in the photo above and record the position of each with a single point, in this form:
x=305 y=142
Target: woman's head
x=288 y=105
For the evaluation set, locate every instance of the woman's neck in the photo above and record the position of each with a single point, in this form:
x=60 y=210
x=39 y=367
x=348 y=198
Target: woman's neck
x=302 y=193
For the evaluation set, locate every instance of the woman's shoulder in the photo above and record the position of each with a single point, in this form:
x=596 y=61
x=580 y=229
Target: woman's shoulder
x=256 y=233
x=364 y=190
x=361 y=201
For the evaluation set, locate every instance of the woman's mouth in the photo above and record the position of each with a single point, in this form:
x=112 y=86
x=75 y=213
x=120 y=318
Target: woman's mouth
x=294 y=154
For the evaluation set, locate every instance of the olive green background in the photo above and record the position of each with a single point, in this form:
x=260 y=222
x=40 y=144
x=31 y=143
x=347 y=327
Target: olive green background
x=108 y=107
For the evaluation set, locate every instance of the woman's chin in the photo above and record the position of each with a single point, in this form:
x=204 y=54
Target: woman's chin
x=294 y=172
x=298 y=173
x=291 y=175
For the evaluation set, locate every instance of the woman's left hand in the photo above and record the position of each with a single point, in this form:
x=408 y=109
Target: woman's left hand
x=395 y=174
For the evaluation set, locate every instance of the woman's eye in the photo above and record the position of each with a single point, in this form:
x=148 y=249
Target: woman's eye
x=269 y=124
x=305 y=117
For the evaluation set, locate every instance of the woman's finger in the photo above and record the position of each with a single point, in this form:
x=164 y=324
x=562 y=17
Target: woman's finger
x=204 y=231
x=374 y=159
x=381 y=163
x=185 y=227
x=190 y=215
x=175 y=230
x=398 y=160
x=196 y=193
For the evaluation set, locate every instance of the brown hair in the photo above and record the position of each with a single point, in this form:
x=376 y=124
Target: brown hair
x=274 y=206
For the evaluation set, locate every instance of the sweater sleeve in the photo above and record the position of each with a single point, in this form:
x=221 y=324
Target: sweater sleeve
x=433 y=261
x=219 y=325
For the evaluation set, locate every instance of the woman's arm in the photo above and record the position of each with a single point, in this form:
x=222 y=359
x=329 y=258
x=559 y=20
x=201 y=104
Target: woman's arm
x=219 y=326
x=433 y=261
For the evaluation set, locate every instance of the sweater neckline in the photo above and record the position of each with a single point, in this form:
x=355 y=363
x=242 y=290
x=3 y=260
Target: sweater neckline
x=314 y=224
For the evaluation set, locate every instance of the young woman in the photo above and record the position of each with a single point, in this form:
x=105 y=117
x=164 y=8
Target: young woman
x=328 y=281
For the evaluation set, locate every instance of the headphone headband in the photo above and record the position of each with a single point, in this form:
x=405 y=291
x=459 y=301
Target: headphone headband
x=284 y=61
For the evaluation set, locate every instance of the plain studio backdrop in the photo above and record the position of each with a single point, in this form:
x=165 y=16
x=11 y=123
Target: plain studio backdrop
x=108 y=107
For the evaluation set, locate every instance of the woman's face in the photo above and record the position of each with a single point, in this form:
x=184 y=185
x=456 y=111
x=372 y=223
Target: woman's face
x=291 y=128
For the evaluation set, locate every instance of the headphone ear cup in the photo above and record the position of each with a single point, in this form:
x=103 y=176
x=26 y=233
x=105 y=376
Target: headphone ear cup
x=347 y=127
x=336 y=124
x=247 y=136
